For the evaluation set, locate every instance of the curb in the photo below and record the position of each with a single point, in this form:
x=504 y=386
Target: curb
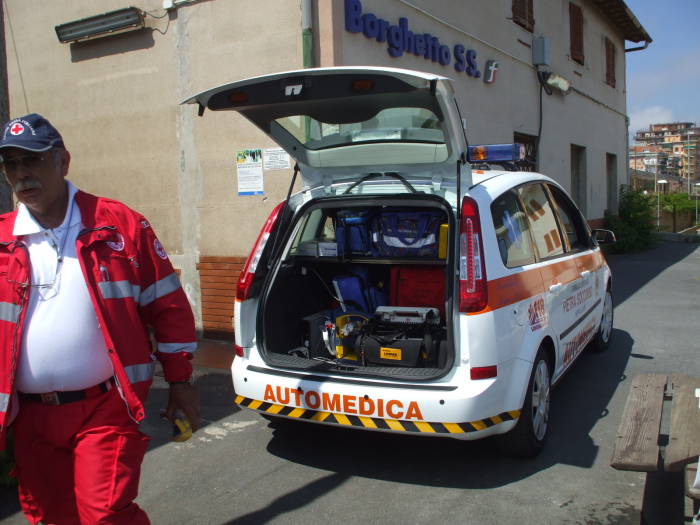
x=678 y=237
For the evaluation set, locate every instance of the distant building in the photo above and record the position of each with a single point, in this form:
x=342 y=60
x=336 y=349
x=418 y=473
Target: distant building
x=673 y=144
x=652 y=159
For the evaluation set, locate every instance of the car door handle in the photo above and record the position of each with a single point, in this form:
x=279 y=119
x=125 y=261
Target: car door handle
x=555 y=287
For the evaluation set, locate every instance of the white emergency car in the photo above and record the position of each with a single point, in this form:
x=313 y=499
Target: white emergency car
x=414 y=284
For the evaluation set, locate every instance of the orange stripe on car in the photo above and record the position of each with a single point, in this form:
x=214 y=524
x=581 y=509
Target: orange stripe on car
x=529 y=283
x=591 y=262
x=512 y=289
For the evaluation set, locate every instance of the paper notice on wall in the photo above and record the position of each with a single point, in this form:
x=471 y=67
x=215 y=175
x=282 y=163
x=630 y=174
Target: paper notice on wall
x=276 y=159
x=249 y=168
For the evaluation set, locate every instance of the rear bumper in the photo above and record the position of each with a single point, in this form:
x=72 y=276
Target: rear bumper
x=464 y=410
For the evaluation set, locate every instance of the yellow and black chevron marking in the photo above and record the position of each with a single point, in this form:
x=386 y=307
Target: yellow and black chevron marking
x=375 y=422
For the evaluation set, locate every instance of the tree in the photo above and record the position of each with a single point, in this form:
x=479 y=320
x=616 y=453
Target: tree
x=634 y=224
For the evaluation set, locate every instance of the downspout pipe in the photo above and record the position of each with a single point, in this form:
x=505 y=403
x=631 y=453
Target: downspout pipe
x=307 y=23
x=639 y=48
x=307 y=46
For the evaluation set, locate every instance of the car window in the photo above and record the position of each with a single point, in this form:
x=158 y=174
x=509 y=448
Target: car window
x=543 y=223
x=512 y=231
x=573 y=224
x=400 y=124
x=308 y=234
x=328 y=231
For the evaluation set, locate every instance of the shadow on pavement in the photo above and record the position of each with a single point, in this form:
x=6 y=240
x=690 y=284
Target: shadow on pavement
x=664 y=498
x=216 y=400
x=578 y=402
x=632 y=271
x=292 y=500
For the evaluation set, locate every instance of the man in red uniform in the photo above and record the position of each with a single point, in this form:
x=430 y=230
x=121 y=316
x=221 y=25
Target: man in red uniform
x=84 y=282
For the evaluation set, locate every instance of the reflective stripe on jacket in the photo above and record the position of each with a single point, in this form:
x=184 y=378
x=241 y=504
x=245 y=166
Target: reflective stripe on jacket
x=133 y=288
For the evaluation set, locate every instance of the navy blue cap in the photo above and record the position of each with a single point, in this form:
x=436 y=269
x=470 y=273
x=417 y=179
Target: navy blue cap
x=31 y=132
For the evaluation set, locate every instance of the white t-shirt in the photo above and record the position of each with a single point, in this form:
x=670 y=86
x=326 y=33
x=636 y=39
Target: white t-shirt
x=62 y=347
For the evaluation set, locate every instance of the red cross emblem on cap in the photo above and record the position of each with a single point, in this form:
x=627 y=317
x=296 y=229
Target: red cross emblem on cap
x=17 y=129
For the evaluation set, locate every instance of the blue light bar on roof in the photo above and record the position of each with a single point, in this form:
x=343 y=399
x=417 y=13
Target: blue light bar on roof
x=496 y=153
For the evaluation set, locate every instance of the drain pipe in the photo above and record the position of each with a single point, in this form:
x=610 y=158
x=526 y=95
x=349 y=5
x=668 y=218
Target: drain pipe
x=640 y=48
x=307 y=46
x=307 y=33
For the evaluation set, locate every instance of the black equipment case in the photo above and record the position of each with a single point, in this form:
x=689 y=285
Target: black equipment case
x=400 y=336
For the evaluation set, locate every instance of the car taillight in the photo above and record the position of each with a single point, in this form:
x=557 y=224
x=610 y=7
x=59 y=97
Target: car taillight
x=245 y=279
x=483 y=372
x=239 y=351
x=472 y=272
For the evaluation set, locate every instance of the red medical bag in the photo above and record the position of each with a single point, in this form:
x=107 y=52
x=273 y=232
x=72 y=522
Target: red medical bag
x=418 y=286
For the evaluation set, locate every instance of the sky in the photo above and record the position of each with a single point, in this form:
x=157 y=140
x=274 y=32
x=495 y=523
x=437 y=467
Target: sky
x=663 y=81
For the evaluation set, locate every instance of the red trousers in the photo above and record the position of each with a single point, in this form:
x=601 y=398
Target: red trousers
x=79 y=463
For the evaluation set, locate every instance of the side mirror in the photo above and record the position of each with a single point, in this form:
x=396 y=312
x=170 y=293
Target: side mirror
x=604 y=237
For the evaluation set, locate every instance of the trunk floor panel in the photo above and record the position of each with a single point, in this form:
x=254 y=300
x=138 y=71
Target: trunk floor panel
x=311 y=365
x=350 y=380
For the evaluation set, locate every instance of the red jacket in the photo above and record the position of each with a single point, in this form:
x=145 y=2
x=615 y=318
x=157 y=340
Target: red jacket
x=133 y=288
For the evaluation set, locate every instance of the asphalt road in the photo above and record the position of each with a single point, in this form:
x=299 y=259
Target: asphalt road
x=240 y=469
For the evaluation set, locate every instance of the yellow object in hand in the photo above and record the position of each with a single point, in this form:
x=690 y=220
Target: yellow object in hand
x=182 y=430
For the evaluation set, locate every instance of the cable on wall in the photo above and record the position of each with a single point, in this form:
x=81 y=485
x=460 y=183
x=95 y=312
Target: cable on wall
x=19 y=67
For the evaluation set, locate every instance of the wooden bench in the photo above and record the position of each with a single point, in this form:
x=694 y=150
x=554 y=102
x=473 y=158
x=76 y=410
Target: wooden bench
x=642 y=445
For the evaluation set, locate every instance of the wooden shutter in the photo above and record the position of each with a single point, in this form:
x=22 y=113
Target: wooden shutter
x=576 y=32
x=523 y=14
x=609 y=62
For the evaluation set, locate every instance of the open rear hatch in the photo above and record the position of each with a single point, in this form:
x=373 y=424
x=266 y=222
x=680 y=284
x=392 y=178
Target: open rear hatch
x=341 y=123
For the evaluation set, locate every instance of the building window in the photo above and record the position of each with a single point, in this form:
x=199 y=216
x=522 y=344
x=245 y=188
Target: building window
x=609 y=62
x=611 y=176
x=578 y=177
x=530 y=143
x=576 y=32
x=523 y=14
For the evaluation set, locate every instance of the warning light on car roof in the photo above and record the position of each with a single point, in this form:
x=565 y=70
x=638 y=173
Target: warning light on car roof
x=496 y=153
x=477 y=153
x=238 y=97
x=362 y=85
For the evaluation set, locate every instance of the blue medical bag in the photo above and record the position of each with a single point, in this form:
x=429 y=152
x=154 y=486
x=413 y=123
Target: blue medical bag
x=352 y=232
x=357 y=293
x=407 y=233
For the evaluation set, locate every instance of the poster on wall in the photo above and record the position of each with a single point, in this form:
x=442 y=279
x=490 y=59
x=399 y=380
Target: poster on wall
x=276 y=159
x=250 y=172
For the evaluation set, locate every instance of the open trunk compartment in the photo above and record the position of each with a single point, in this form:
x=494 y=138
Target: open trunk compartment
x=362 y=288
